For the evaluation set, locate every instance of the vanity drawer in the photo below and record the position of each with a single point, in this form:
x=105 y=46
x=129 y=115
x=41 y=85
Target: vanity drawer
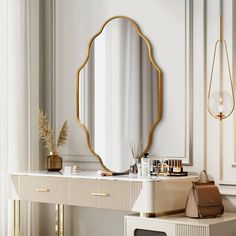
x=83 y=192
x=58 y=190
x=44 y=189
x=117 y=194
x=27 y=186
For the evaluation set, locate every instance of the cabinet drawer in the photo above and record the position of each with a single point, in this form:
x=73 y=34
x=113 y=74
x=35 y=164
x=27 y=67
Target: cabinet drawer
x=82 y=192
x=59 y=190
x=116 y=194
x=27 y=186
x=44 y=189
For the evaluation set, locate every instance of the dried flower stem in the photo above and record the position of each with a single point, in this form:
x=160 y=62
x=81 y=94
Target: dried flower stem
x=136 y=148
x=47 y=134
x=63 y=135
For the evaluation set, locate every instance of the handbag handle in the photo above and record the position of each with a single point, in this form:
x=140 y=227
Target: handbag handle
x=203 y=178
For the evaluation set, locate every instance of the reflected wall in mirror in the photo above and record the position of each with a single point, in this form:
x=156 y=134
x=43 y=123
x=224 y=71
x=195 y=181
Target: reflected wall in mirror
x=119 y=93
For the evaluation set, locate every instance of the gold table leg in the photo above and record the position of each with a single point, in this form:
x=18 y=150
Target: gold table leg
x=59 y=219
x=16 y=214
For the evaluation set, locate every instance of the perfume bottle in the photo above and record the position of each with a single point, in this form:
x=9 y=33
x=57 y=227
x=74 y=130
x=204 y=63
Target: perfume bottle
x=155 y=165
x=146 y=163
x=177 y=167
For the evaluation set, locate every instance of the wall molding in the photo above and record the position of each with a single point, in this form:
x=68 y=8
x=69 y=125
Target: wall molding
x=225 y=129
x=188 y=157
x=54 y=64
x=234 y=70
x=205 y=132
x=49 y=105
x=227 y=183
x=188 y=152
x=80 y=158
x=52 y=112
x=224 y=192
x=227 y=188
x=219 y=147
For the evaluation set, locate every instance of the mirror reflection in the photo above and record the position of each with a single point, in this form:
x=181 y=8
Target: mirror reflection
x=118 y=94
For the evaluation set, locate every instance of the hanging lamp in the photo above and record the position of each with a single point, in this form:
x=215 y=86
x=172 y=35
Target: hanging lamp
x=221 y=103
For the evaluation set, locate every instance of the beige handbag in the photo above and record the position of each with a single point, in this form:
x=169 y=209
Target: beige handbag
x=204 y=200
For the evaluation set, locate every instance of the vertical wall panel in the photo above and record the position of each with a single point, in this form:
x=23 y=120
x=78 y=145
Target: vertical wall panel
x=167 y=29
x=213 y=128
x=228 y=172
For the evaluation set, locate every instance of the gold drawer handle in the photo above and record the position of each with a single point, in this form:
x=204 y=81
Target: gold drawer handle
x=100 y=194
x=42 y=189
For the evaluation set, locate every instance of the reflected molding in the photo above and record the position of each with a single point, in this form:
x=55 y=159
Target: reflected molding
x=160 y=88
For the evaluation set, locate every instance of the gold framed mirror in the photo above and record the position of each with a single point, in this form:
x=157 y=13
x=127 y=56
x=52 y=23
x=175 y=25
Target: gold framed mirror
x=118 y=93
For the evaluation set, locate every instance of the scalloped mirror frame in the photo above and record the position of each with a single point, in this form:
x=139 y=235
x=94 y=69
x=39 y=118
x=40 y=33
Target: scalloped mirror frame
x=160 y=89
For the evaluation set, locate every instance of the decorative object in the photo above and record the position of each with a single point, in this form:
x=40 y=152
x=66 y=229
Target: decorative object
x=163 y=168
x=146 y=165
x=53 y=162
x=136 y=148
x=124 y=80
x=67 y=170
x=221 y=103
x=75 y=169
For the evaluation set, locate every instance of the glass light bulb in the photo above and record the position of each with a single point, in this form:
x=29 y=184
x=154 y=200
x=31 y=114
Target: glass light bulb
x=220 y=104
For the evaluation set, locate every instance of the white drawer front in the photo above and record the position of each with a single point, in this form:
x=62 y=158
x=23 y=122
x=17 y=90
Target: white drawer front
x=44 y=189
x=59 y=191
x=28 y=186
x=118 y=194
x=82 y=192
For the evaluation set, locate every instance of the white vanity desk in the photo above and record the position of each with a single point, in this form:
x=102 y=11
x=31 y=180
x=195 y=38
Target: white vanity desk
x=144 y=195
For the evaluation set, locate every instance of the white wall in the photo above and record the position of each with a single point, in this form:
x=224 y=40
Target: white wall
x=210 y=144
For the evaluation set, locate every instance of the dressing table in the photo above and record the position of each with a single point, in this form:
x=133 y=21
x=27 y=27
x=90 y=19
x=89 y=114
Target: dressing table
x=142 y=195
x=118 y=101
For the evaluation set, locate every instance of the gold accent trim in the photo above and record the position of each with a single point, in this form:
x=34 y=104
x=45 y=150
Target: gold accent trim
x=16 y=214
x=146 y=215
x=160 y=87
x=59 y=220
x=100 y=194
x=42 y=189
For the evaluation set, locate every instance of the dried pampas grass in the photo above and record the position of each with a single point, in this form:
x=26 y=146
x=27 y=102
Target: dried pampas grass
x=61 y=141
x=47 y=134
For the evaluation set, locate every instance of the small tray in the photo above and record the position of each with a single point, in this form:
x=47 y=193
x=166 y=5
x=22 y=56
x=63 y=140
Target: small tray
x=184 y=173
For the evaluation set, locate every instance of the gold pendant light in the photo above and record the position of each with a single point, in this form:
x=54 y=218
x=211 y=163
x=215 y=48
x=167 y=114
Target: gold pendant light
x=220 y=102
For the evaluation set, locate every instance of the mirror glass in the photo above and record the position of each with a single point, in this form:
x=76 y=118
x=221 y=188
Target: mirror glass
x=118 y=91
